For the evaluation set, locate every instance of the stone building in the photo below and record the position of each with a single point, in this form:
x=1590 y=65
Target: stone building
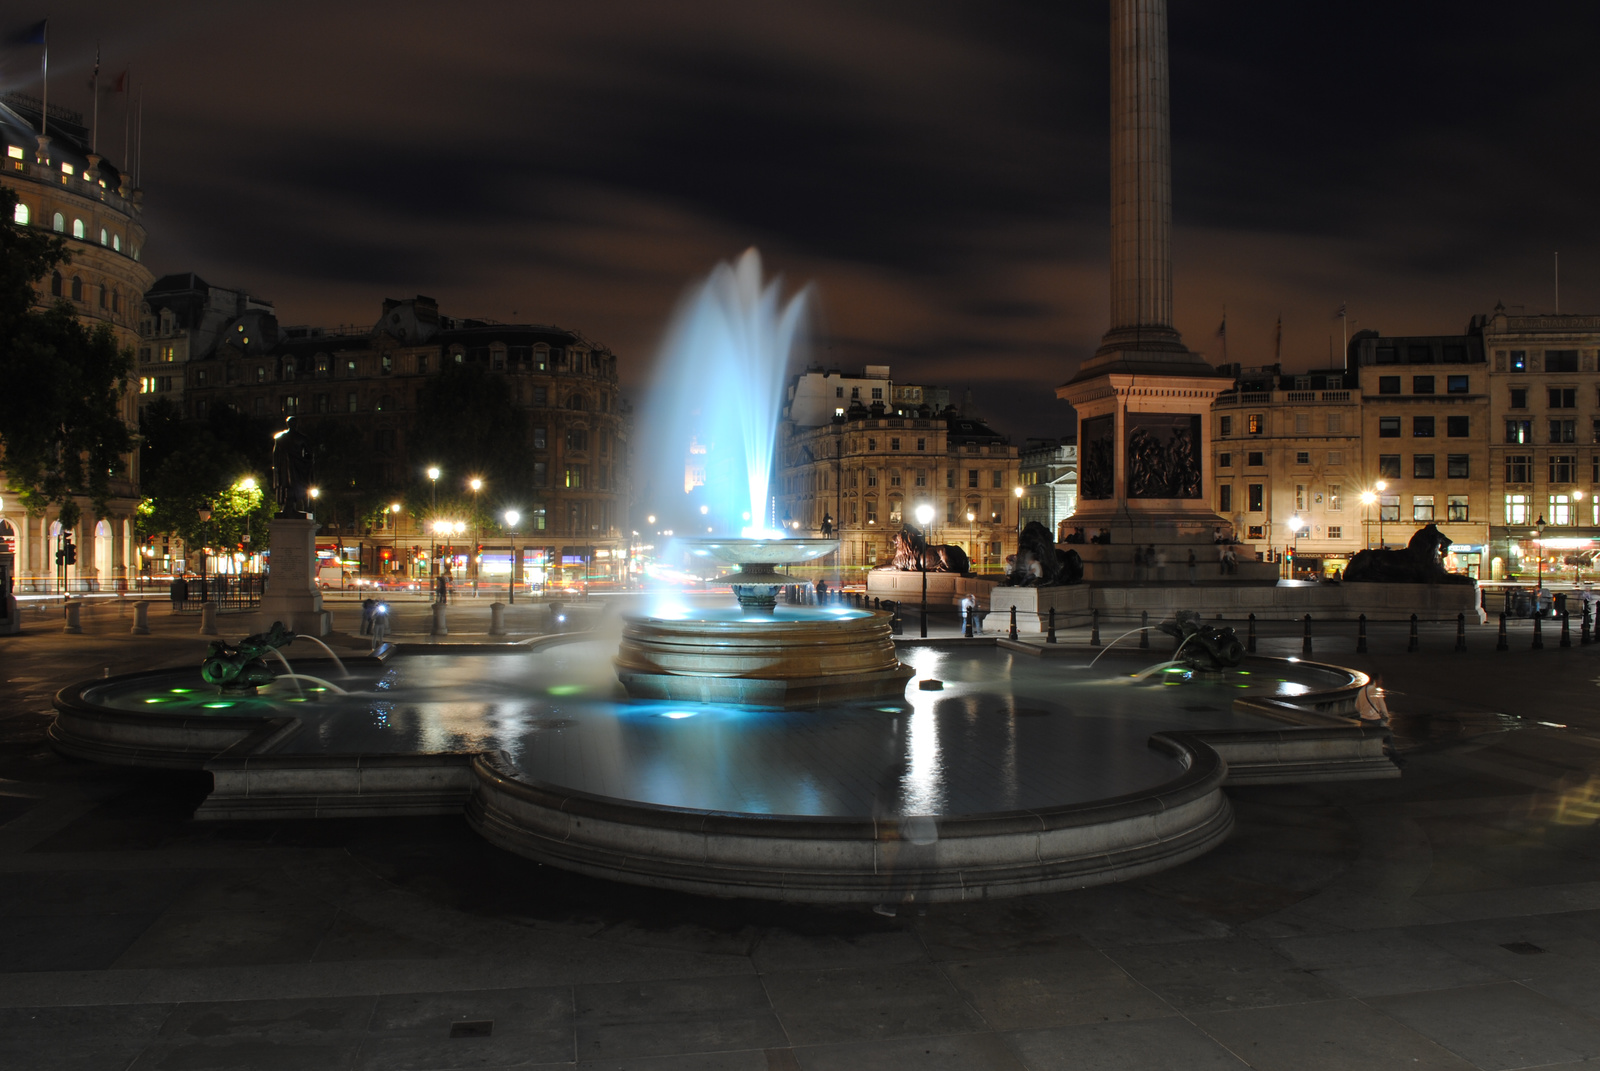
x=1425 y=427
x=1286 y=450
x=370 y=381
x=1049 y=480
x=868 y=468
x=66 y=188
x=1543 y=440
x=183 y=316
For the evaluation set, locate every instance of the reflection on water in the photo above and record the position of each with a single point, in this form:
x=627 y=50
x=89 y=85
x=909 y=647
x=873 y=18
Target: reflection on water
x=1006 y=732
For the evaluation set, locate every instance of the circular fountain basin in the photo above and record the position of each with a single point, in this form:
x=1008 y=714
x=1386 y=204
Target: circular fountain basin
x=761 y=551
x=787 y=657
x=1018 y=776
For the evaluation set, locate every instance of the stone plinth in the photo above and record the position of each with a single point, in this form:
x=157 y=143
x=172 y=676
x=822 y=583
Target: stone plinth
x=291 y=595
x=1033 y=605
x=944 y=589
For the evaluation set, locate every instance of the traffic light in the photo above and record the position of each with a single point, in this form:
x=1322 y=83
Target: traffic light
x=61 y=556
x=71 y=552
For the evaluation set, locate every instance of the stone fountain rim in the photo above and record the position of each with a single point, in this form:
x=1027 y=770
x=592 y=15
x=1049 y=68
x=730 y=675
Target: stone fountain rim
x=772 y=551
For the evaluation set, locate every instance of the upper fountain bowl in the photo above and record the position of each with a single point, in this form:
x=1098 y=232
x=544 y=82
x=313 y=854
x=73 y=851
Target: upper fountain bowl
x=761 y=551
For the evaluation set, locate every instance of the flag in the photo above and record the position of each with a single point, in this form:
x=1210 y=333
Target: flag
x=121 y=84
x=29 y=35
x=1222 y=331
x=1339 y=313
x=1277 y=346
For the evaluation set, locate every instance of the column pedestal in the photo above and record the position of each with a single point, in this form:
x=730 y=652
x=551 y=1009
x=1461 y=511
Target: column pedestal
x=291 y=595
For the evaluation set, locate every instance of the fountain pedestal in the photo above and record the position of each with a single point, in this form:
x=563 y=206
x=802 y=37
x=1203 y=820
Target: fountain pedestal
x=291 y=595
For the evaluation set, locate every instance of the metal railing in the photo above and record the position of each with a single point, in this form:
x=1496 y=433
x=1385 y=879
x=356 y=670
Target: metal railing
x=228 y=592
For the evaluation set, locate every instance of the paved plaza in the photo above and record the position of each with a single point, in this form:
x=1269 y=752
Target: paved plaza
x=1447 y=919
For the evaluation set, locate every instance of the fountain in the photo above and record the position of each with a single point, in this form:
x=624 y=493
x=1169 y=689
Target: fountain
x=733 y=342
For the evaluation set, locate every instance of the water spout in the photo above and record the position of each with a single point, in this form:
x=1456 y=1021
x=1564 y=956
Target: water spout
x=298 y=677
x=288 y=670
x=1113 y=643
x=336 y=659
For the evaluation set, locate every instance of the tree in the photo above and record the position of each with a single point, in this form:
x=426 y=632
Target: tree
x=468 y=425
x=62 y=435
x=192 y=469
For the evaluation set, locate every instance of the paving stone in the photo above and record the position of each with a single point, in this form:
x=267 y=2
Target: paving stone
x=1218 y=975
x=1499 y=1026
x=956 y=1052
x=1054 y=989
x=1124 y=1046
x=674 y=1017
x=1335 y=1035
x=865 y=1003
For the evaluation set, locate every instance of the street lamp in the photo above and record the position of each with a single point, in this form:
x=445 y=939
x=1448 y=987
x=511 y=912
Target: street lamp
x=477 y=485
x=1380 y=487
x=1018 y=492
x=433 y=506
x=512 y=517
x=972 y=532
x=1538 y=548
x=924 y=515
x=1297 y=524
x=1367 y=499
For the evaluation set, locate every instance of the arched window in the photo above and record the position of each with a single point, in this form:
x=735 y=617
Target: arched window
x=105 y=236
x=116 y=301
x=77 y=288
x=116 y=242
x=104 y=299
x=77 y=228
x=60 y=223
x=575 y=402
x=55 y=284
x=19 y=215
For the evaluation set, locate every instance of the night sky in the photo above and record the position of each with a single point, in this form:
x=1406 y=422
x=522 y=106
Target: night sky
x=938 y=170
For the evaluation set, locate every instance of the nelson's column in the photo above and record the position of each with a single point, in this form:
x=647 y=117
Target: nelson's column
x=1143 y=400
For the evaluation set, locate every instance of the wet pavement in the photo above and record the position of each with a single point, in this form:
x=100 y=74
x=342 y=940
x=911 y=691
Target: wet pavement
x=1447 y=919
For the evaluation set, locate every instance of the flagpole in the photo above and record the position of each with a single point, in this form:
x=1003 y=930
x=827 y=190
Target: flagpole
x=44 y=93
x=94 y=88
x=127 y=114
x=138 y=166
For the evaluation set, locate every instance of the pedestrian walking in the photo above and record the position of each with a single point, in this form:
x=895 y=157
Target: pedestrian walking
x=368 y=609
x=179 y=592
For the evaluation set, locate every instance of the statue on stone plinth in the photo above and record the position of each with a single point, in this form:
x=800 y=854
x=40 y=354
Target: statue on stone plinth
x=1421 y=562
x=911 y=548
x=291 y=471
x=1038 y=563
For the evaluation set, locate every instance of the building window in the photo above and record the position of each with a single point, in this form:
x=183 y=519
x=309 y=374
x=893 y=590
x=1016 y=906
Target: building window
x=838 y=392
x=1457 y=384
x=105 y=237
x=1225 y=459
x=1389 y=507
x=59 y=223
x=1422 y=466
x=1422 y=427
x=1563 y=431
x=77 y=288
x=972 y=477
x=1457 y=466
x=1458 y=427
x=1561 y=510
x=350 y=405
x=1335 y=532
x=1302 y=423
x=894 y=477
x=877 y=394
x=55 y=284
x=1255 y=459
x=1519 y=397
x=116 y=242
x=1421 y=384
x=575 y=476
x=1519 y=360
x=1519 y=468
x=872 y=511
x=577 y=439
x=1257 y=532
x=19 y=215
x=1519 y=432
x=116 y=301
x=1389 y=427
x=261 y=406
x=1256 y=424
x=1255 y=497
x=1302 y=457
x=1225 y=498
x=541 y=473
x=855 y=393
x=1563 y=468
x=922 y=477
x=1335 y=424
x=1335 y=498
x=1388 y=384
x=1389 y=466
x=350 y=368
x=1516 y=509
x=322 y=403
x=77 y=228
x=1561 y=361
x=872 y=478
x=894 y=444
x=1226 y=427
x=922 y=444
x=1299 y=497
x=1455 y=508
x=1336 y=457
x=1563 y=398
x=1422 y=507
x=949 y=478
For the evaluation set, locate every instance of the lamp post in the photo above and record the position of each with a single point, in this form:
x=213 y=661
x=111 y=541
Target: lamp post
x=1367 y=499
x=477 y=526
x=924 y=516
x=972 y=534
x=1017 y=491
x=1297 y=525
x=1538 y=548
x=512 y=517
x=433 y=506
x=1381 y=487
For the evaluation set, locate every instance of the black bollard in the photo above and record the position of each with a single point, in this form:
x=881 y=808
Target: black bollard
x=1094 y=628
x=1305 y=639
x=1050 y=636
x=1561 y=602
x=1411 y=643
x=1361 y=634
x=1538 y=633
x=1461 y=632
x=1566 y=629
x=1012 y=634
x=1500 y=643
x=1583 y=637
x=966 y=623
x=1250 y=636
x=1144 y=630
x=877 y=603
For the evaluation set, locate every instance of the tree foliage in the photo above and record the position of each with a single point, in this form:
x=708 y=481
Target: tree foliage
x=468 y=425
x=61 y=429
x=218 y=468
